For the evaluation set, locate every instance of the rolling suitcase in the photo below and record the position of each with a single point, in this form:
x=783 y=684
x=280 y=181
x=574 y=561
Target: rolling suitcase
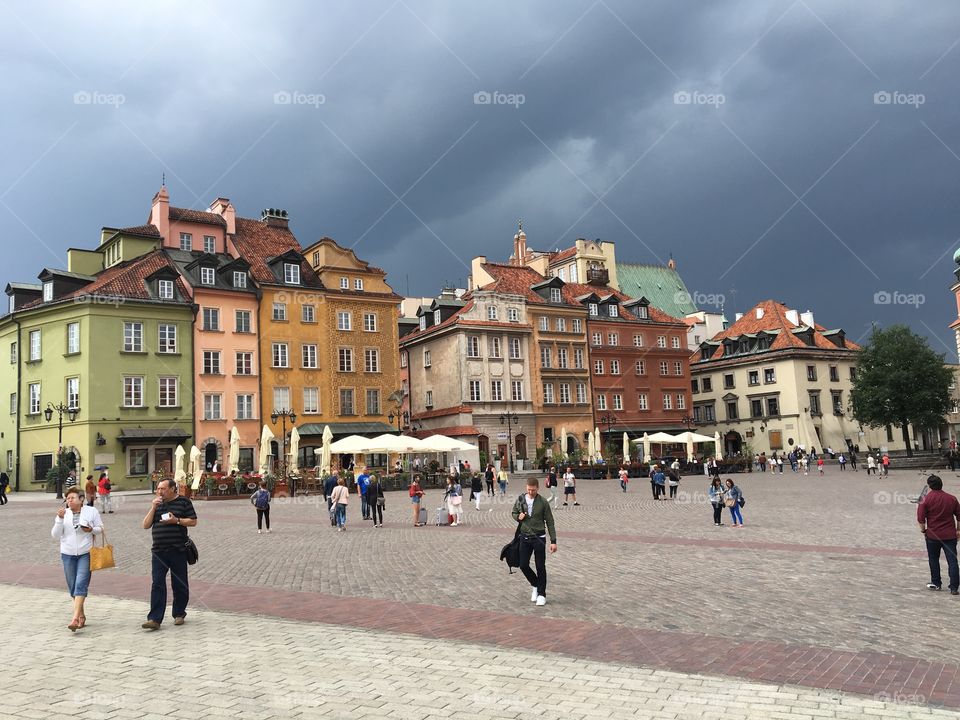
x=443 y=518
x=423 y=516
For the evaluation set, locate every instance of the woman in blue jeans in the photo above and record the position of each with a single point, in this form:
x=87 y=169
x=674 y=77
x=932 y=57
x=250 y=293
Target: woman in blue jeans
x=75 y=526
x=733 y=493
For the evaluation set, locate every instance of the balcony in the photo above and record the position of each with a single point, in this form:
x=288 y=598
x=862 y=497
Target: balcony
x=598 y=276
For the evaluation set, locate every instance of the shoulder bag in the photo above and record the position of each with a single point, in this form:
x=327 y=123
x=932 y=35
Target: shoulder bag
x=101 y=557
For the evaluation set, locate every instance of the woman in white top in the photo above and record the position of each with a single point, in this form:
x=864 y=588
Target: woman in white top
x=75 y=526
x=339 y=499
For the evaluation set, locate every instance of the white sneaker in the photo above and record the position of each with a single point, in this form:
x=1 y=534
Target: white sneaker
x=534 y=595
x=259 y=532
x=454 y=524
x=541 y=600
x=268 y=530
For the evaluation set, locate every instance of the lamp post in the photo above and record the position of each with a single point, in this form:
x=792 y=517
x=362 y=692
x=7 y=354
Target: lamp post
x=282 y=415
x=608 y=420
x=403 y=419
x=72 y=414
x=510 y=419
x=689 y=421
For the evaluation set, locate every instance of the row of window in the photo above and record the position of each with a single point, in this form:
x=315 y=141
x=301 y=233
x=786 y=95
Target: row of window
x=209 y=243
x=670 y=402
x=494 y=348
x=344 y=281
x=35 y=344
x=769 y=377
x=759 y=408
x=513 y=314
x=280 y=352
x=576 y=325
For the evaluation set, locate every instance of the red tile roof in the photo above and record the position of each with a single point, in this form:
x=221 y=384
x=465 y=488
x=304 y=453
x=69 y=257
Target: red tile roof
x=517 y=280
x=775 y=318
x=258 y=242
x=439 y=412
x=451 y=431
x=145 y=230
x=562 y=255
x=196 y=216
x=126 y=280
x=453 y=319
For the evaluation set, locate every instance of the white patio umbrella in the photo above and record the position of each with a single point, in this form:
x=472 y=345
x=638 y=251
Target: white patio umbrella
x=646 y=448
x=294 y=467
x=325 y=450
x=265 y=437
x=179 y=475
x=626 y=449
x=352 y=444
x=234 y=464
x=563 y=441
x=717 y=450
x=591 y=447
x=598 y=443
x=196 y=467
x=442 y=443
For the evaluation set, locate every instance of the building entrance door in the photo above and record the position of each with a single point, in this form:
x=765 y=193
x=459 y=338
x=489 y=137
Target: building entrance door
x=502 y=454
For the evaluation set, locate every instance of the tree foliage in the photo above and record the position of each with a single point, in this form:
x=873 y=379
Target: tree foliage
x=900 y=381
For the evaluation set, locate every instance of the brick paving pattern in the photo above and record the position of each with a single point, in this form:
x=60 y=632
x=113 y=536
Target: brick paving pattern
x=824 y=587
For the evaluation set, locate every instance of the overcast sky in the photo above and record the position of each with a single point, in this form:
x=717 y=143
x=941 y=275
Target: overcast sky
x=806 y=151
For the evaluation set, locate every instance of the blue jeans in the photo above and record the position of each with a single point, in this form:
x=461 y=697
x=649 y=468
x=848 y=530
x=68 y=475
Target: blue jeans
x=340 y=515
x=364 y=507
x=735 y=514
x=933 y=556
x=173 y=560
x=76 y=568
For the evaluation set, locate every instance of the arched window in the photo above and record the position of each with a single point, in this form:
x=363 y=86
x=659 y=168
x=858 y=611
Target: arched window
x=483 y=443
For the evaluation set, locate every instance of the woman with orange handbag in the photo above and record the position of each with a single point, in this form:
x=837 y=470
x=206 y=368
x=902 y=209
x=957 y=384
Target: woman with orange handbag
x=75 y=526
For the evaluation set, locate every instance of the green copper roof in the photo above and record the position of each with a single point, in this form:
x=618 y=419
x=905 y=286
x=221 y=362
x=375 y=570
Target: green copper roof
x=659 y=284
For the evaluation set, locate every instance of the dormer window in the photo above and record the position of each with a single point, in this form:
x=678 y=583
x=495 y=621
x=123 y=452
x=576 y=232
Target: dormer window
x=344 y=283
x=47 y=291
x=209 y=244
x=554 y=295
x=436 y=317
x=423 y=322
x=613 y=311
x=491 y=312
x=358 y=284
x=291 y=274
x=165 y=289
x=207 y=276
x=239 y=279
x=642 y=312
x=594 y=310
x=186 y=242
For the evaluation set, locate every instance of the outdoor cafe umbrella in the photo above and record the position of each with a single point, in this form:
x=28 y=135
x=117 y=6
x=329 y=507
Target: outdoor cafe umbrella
x=591 y=447
x=325 y=451
x=196 y=467
x=646 y=447
x=626 y=449
x=265 y=437
x=179 y=475
x=563 y=441
x=293 y=468
x=598 y=444
x=717 y=453
x=234 y=465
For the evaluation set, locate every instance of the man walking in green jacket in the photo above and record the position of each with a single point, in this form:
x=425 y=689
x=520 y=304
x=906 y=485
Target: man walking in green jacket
x=536 y=520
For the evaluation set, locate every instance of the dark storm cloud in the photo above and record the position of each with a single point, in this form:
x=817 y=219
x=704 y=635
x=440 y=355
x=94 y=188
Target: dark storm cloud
x=783 y=176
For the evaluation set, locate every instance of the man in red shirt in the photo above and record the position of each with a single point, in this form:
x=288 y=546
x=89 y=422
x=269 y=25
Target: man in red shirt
x=938 y=515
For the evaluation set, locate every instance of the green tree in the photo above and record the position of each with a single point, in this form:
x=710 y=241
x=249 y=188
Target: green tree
x=900 y=381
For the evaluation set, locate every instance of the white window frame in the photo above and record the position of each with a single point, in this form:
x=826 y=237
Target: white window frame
x=244 y=363
x=496 y=391
x=577 y=325
x=643 y=402
x=369 y=322
x=555 y=295
x=581 y=393
x=308 y=356
x=598 y=367
x=167 y=341
x=211 y=319
x=213 y=406
x=168 y=391
x=308 y=314
x=515 y=349
x=239 y=279
x=358 y=284
x=614 y=366
x=613 y=310
x=247 y=317
x=73 y=338
x=165 y=289
x=494 y=347
x=564 y=395
x=345 y=359
x=344 y=321
x=548 y=398
x=133 y=340
x=291 y=274
x=280 y=355
x=427 y=362
x=34 y=398
x=135 y=385
x=373 y=408
x=73 y=392
x=208 y=276
x=516 y=390
x=209 y=244
x=186 y=242
x=613 y=339
x=601 y=401
x=578 y=358
x=311 y=400
x=344 y=283
x=211 y=362
x=473 y=346
x=244 y=405
x=371 y=360
x=278 y=312
x=543 y=323
x=491 y=312
x=475 y=391
x=617 y=401
x=513 y=315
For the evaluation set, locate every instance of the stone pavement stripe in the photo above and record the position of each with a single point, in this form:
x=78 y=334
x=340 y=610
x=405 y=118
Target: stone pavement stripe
x=297 y=671
x=642 y=539
x=760 y=660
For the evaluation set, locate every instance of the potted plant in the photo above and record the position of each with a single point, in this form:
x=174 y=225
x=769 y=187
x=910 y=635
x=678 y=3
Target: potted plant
x=208 y=483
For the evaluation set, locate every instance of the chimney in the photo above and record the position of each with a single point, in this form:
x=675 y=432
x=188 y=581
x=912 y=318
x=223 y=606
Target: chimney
x=223 y=208
x=520 y=245
x=160 y=212
x=737 y=317
x=807 y=318
x=671 y=263
x=275 y=218
x=792 y=316
x=759 y=313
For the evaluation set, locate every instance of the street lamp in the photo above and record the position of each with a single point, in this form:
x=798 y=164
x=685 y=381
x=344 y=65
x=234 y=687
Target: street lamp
x=283 y=415
x=688 y=421
x=510 y=419
x=71 y=412
x=608 y=420
x=403 y=419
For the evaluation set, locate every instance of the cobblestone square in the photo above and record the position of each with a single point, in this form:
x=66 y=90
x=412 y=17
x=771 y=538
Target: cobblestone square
x=817 y=608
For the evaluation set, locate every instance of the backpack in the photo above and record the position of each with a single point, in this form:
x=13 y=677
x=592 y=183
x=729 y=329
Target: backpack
x=510 y=553
x=260 y=499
